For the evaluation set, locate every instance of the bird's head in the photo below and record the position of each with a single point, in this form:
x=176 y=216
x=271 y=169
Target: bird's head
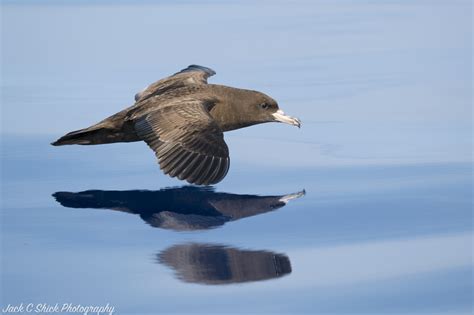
x=239 y=108
x=267 y=110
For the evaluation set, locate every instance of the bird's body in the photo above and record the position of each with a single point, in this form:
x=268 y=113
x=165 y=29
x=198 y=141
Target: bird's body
x=182 y=118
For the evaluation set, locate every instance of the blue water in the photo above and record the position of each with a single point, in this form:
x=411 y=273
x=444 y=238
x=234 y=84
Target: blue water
x=367 y=209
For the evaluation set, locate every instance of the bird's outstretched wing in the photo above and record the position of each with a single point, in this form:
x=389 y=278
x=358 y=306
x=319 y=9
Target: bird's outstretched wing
x=193 y=74
x=187 y=142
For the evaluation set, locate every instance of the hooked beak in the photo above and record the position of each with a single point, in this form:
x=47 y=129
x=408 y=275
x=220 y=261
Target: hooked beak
x=280 y=116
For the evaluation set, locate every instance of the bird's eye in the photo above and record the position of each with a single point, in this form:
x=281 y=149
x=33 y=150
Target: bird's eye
x=264 y=105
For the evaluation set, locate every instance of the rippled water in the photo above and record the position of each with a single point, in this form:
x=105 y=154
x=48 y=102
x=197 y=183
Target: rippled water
x=366 y=209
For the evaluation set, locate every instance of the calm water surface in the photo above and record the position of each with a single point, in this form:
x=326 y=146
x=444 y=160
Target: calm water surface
x=367 y=209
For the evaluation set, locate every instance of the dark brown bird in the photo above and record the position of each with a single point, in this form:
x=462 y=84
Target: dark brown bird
x=182 y=119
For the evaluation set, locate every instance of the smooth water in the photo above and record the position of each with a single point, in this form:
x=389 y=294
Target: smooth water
x=367 y=209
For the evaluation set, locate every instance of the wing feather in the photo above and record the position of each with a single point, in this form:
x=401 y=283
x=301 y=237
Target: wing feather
x=187 y=142
x=192 y=75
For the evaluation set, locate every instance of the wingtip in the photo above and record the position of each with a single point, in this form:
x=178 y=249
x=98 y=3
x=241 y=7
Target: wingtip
x=194 y=67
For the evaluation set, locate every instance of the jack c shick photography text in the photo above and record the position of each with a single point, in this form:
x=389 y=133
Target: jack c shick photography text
x=47 y=308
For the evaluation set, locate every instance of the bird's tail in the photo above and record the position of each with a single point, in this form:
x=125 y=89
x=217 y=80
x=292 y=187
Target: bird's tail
x=110 y=130
x=91 y=135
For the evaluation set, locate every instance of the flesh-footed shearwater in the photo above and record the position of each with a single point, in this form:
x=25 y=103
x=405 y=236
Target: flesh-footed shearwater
x=182 y=118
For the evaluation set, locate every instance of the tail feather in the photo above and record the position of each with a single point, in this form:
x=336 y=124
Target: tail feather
x=112 y=129
x=82 y=136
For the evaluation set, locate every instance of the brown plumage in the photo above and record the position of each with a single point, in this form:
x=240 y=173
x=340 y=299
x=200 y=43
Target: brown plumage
x=182 y=119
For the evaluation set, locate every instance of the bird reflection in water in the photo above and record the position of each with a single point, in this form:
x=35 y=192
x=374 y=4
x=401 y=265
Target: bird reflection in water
x=182 y=209
x=218 y=264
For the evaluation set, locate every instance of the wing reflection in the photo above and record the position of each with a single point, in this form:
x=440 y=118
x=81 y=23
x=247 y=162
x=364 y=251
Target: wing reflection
x=182 y=209
x=218 y=264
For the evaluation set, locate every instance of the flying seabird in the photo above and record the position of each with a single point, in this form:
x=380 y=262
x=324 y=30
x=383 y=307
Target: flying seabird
x=182 y=118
